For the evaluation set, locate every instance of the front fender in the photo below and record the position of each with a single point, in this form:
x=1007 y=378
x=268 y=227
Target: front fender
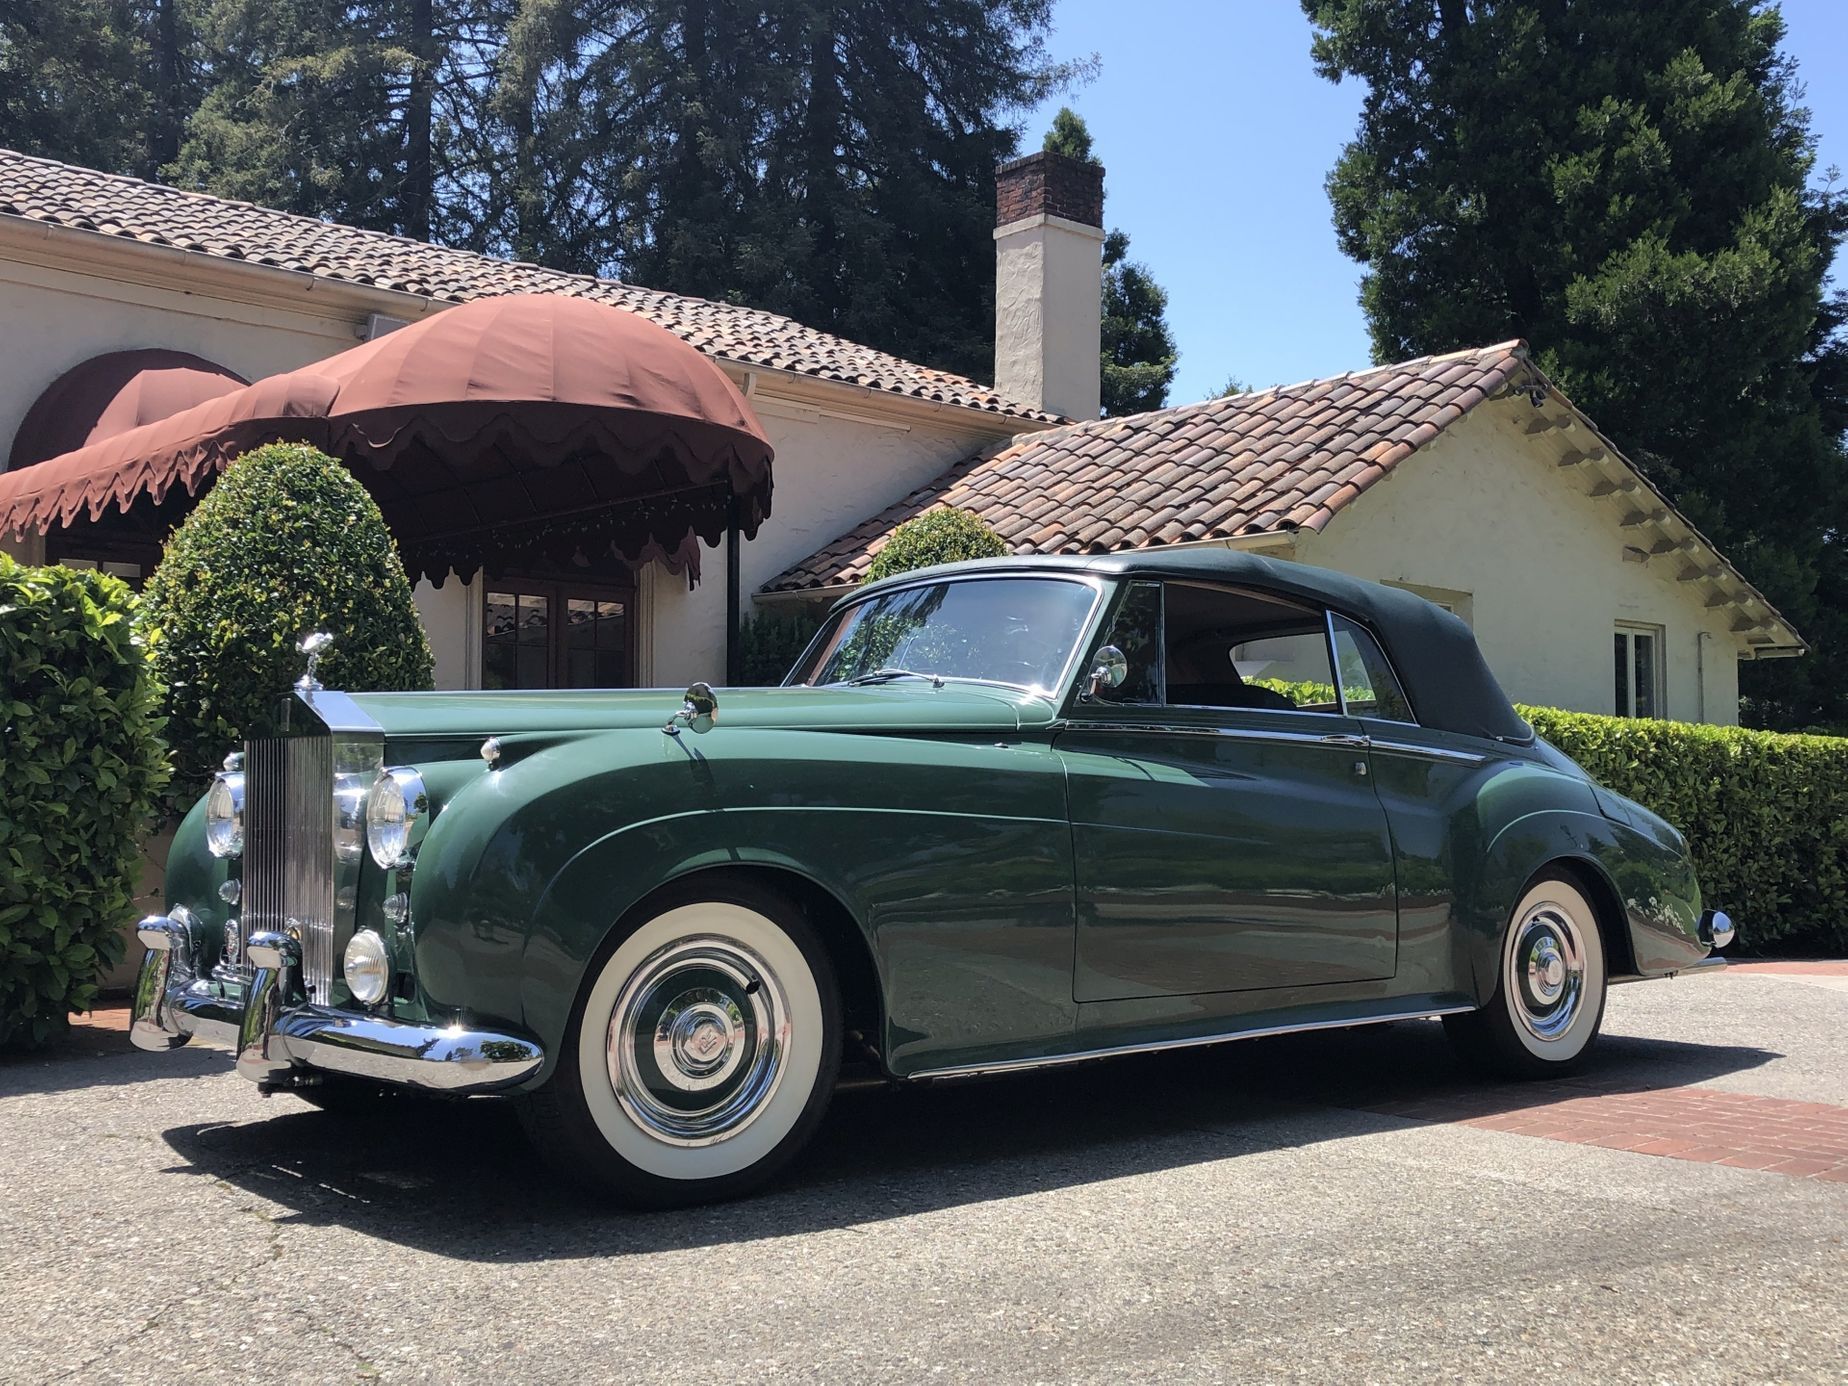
x=952 y=857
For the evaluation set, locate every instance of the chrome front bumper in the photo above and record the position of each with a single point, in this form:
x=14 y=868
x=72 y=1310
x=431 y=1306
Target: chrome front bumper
x=280 y=1045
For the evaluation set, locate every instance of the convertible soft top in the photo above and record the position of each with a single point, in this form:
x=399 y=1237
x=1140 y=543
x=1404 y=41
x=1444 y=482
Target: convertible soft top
x=1435 y=654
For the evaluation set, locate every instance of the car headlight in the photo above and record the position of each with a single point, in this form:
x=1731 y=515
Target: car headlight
x=397 y=801
x=366 y=967
x=224 y=815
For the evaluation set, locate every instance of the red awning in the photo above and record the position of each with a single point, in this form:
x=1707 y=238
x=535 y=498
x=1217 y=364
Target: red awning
x=530 y=426
x=113 y=393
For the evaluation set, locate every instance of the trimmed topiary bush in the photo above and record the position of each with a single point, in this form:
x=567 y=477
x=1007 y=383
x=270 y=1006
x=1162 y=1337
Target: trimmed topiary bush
x=81 y=767
x=938 y=536
x=287 y=542
x=1765 y=813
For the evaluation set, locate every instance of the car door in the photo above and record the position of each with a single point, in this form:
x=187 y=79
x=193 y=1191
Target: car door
x=1225 y=829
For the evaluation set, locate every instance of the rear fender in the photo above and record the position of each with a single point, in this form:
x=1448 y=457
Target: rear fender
x=1652 y=883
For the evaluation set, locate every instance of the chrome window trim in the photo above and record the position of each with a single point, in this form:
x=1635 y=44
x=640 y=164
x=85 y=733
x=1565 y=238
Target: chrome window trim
x=1192 y=1042
x=1334 y=660
x=1385 y=654
x=1412 y=748
x=1085 y=628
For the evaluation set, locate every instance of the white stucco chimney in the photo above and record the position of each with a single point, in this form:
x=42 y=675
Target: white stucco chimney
x=1049 y=237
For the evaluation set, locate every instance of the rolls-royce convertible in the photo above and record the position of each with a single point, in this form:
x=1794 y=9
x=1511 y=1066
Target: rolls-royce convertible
x=1002 y=815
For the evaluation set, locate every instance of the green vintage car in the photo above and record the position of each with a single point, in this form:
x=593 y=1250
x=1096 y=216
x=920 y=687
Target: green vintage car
x=1003 y=815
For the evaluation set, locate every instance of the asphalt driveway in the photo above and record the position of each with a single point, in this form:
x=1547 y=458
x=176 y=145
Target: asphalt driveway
x=1333 y=1207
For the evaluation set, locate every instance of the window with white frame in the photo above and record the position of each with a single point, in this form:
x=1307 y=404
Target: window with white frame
x=1637 y=670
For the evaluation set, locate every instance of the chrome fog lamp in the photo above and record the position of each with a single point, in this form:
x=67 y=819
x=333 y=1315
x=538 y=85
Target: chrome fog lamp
x=397 y=801
x=366 y=967
x=224 y=815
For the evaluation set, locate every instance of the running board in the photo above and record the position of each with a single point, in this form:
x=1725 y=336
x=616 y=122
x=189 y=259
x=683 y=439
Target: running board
x=981 y=1070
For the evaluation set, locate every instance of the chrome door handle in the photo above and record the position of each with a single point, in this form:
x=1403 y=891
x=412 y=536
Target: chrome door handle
x=1347 y=740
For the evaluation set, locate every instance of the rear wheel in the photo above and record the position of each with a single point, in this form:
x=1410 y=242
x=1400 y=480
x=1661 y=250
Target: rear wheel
x=1549 y=996
x=702 y=1055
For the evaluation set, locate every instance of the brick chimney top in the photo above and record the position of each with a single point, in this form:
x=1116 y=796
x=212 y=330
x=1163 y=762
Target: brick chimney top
x=1047 y=184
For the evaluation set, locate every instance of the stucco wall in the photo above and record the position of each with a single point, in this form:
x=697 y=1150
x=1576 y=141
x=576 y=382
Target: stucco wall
x=1484 y=512
x=52 y=320
x=834 y=466
x=831 y=473
x=1048 y=275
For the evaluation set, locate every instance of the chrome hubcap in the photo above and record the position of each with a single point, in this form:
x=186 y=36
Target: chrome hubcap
x=697 y=1039
x=1546 y=972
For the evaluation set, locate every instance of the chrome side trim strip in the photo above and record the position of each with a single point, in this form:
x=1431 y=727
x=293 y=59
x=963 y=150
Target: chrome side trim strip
x=1411 y=748
x=1345 y=740
x=1158 y=1046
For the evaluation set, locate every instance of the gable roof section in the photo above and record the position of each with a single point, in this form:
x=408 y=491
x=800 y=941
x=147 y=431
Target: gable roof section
x=1274 y=460
x=40 y=190
x=1280 y=461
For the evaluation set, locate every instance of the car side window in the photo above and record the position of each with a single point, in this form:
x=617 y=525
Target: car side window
x=1234 y=649
x=1366 y=678
x=1136 y=631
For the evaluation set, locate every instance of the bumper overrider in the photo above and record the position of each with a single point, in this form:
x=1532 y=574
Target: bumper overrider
x=281 y=1045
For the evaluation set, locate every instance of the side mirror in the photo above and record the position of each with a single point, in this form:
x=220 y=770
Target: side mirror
x=699 y=711
x=1108 y=670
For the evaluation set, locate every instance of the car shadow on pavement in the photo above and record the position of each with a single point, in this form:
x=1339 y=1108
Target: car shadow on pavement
x=458 y=1179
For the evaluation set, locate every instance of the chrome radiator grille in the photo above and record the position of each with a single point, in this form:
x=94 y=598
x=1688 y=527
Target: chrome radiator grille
x=289 y=849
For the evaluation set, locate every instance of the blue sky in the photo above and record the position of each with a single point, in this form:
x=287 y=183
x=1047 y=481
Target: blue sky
x=1216 y=135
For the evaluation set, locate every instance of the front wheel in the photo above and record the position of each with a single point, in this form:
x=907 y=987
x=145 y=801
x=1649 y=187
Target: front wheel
x=701 y=1056
x=1549 y=995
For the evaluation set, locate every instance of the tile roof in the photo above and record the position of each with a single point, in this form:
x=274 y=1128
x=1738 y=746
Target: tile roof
x=111 y=205
x=1275 y=460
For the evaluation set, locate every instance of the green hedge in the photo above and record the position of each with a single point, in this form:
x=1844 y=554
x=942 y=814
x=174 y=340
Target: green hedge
x=1765 y=813
x=769 y=645
x=82 y=765
x=286 y=542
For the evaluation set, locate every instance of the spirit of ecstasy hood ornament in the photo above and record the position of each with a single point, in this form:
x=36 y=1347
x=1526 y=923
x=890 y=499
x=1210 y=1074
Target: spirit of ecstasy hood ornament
x=314 y=645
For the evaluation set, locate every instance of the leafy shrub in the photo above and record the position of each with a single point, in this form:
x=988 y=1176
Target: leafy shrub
x=769 y=645
x=82 y=763
x=939 y=536
x=287 y=542
x=1765 y=813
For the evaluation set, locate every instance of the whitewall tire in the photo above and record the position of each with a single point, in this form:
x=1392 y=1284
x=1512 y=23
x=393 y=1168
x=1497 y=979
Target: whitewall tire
x=702 y=1052
x=1551 y=980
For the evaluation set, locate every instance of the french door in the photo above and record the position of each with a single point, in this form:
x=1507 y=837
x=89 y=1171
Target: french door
x=538 y=634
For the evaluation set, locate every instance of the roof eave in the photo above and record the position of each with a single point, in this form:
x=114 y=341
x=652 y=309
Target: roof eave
x=162 y=266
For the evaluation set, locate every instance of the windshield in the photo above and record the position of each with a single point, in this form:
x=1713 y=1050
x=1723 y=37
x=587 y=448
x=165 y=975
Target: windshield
x=1013 y=630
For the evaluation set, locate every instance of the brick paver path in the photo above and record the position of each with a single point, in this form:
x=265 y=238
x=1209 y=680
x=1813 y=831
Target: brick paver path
x=1802 y=1139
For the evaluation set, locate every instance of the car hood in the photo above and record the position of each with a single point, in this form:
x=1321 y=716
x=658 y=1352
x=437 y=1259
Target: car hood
x=904 y=704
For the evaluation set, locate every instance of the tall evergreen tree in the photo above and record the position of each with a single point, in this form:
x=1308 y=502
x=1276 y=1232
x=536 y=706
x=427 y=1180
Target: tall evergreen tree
x=1138 y=349
x=104 y=83
x=1627 y=184
x=337 y=109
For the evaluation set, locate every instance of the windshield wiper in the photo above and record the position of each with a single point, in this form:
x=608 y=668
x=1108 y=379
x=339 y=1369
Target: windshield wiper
x=888 y=674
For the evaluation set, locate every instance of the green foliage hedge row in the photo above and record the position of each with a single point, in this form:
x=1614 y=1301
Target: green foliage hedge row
x=285 y=543
x=1765 y=813
x=770 y=643
x=81 y=768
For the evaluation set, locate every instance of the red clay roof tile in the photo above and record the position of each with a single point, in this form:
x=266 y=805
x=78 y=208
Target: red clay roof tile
x=130 y=209
x=1246 y=464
